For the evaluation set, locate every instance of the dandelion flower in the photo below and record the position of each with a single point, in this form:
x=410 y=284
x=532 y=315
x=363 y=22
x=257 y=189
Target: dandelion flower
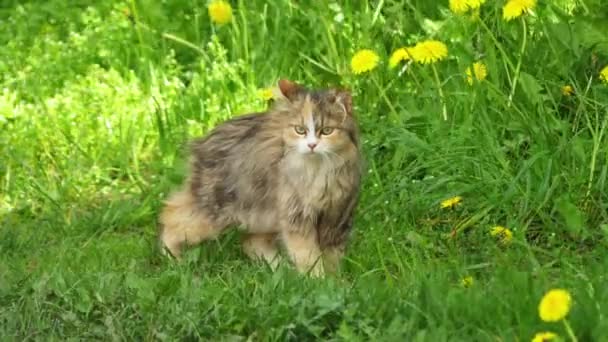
x=429 y=51
x=462 y=6
x=398 y=56
x=363 y=61
x=555 y=305
x=459 y=6
x=475 y=4
x=567 y=90
x=220 y=12
x=266 y=94
x=545 y=336
x=604 y=74
x=467 y=282
x=451 y=202
x=515 y=8
x=477 y=70
x=505 y=235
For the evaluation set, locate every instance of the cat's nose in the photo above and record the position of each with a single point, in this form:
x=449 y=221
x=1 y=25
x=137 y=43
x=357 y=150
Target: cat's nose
x=312 y=146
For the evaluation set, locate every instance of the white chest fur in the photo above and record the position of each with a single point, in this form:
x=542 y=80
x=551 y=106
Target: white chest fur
x=315 y=179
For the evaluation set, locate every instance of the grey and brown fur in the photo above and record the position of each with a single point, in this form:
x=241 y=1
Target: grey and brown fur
x=289 y=175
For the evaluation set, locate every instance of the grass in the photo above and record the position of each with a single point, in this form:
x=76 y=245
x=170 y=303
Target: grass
x=98 y=101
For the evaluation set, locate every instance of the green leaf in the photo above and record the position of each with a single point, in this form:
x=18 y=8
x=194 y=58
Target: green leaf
x=572 y=215
x=530 y=87
x=592 y=33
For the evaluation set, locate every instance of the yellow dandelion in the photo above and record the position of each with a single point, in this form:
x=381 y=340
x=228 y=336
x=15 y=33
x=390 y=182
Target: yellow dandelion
x=545 y=336
x=266 y=94
x=459 y=6
x=429 y=51
x=515 y=8
x=363 y=61
x=475 y=4
x=604 y=74
x=467 y=281
x=555 y=305
x=505 y=235
x=462 y=6
x=220 y=12
x=567 y=90
x=451 y=202
x=478 y=70
x=398 y=56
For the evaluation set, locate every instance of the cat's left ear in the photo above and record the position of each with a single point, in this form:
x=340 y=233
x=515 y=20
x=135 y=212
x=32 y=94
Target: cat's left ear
x=290 y=90
x=345 y=100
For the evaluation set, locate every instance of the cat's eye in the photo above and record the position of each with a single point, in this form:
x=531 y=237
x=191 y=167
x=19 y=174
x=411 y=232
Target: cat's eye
x=327 y=130
x=300 y=130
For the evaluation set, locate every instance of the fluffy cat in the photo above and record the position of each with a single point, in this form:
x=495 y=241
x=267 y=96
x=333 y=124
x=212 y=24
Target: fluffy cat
x=290 y=175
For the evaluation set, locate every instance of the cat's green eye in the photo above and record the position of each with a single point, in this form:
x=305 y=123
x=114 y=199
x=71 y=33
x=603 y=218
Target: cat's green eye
x=327 y=130
x=300 y=130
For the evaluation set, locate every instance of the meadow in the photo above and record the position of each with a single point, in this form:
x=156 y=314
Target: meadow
x=484 y=128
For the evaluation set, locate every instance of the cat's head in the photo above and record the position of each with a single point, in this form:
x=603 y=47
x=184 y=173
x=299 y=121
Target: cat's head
x=317 y=123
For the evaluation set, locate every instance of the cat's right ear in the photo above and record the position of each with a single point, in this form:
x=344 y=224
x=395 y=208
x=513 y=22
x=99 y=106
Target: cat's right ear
x=290 y=90
x=345 y=99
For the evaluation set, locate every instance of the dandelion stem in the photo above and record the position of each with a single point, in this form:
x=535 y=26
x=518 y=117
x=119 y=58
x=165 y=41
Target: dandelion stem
x=498 y=45
x=597 y=136
x=520 y=58
x=569 y=330
x=413 y=75
x=440 y=90
x=383 y=94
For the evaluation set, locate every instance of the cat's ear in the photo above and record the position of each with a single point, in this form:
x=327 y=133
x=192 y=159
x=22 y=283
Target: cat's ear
x=290 y=90
x=345 y=100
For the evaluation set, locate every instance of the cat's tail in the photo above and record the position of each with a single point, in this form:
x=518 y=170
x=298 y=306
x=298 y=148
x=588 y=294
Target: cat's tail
x=183 y=223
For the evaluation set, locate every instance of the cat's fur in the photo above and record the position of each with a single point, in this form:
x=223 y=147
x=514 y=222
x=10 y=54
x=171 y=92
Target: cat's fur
x=264 y=172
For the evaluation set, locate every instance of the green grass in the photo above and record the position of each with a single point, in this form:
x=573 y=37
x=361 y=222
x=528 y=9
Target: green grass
x=98 y=101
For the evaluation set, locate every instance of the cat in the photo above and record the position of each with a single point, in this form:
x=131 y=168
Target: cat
x=291 y=174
